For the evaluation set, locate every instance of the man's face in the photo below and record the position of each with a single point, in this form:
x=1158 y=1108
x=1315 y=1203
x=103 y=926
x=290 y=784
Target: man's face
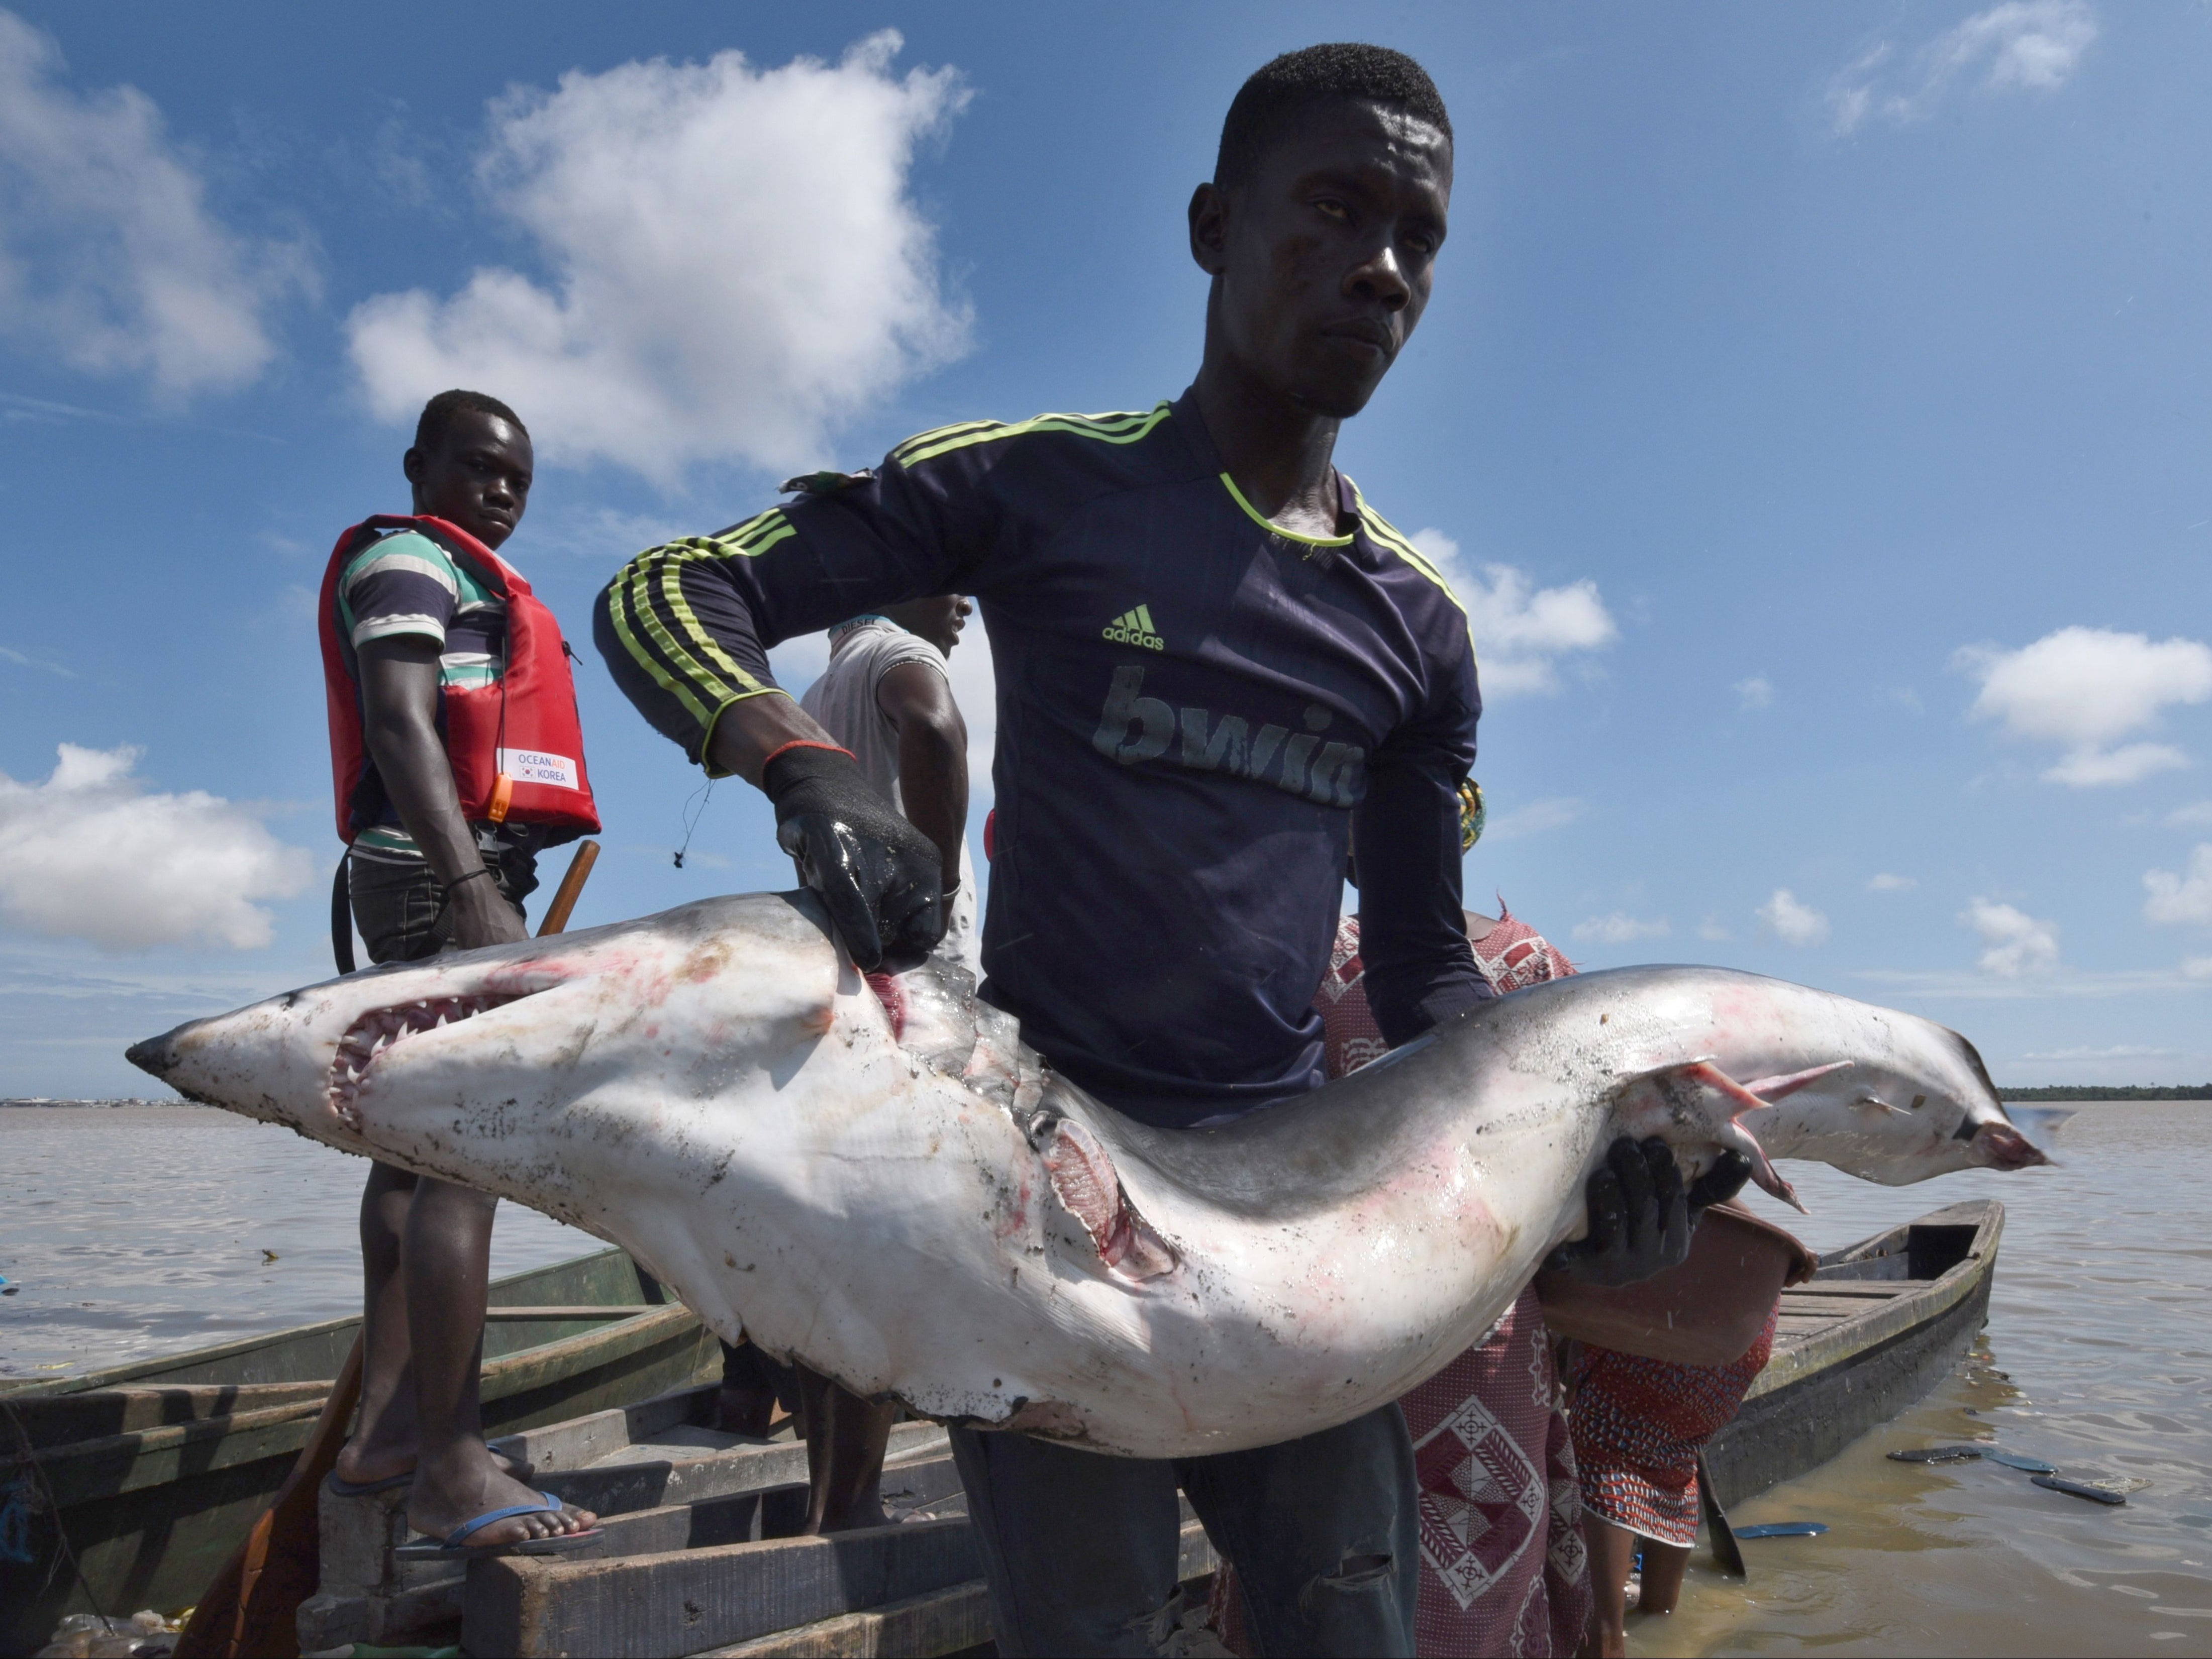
x=938 y=620
x=1326 y=254
x=477 y=479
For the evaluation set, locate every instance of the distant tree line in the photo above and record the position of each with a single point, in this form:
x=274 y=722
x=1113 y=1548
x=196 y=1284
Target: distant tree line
x=2111 y=1091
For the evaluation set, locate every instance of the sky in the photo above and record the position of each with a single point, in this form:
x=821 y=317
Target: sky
x=1812 y=413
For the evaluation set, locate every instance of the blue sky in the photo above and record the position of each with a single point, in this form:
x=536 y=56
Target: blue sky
x=1814 y=405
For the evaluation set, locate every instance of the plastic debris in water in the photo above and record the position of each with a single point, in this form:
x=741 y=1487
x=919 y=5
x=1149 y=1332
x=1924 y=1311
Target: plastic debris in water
x=1784 y=1529
x=2014 y=1460
x=1937 y=1454
x=2079 y=1489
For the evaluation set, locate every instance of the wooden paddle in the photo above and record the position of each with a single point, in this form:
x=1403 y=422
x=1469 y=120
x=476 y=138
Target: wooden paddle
x=571 y=889
x=1728 y=1554
x=253 y=1607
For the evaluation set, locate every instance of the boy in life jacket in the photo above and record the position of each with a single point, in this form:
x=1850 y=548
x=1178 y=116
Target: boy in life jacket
x=457 y=758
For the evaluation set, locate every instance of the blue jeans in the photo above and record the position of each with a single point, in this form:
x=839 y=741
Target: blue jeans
x=1080 y=1549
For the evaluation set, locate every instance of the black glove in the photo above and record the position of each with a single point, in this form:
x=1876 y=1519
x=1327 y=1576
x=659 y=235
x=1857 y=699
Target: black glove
x=1639 y=1217
x=1718 y=1184
x=879 y=876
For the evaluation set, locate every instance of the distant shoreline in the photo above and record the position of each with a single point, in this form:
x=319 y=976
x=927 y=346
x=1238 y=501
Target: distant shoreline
x=2111 y=1091
x=42 y=1100
x=2064 y=1091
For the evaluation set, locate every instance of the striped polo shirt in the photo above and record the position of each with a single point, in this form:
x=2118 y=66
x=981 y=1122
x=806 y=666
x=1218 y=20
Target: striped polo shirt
x=405 y=584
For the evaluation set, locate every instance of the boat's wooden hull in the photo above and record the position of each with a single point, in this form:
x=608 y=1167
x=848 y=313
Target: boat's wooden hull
x=1925 y=1292
x=150 y=1475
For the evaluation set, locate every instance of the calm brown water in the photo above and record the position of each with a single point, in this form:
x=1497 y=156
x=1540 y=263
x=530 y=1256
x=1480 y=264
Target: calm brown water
x=141 y=1231
x=2096 y=1357
x=132 y=1232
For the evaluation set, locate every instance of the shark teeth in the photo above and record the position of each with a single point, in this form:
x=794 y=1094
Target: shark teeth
x=378 y=1030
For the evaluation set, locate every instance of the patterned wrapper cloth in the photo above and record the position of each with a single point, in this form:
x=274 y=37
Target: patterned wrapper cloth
x=1504 y=1570
x=1638 y=1427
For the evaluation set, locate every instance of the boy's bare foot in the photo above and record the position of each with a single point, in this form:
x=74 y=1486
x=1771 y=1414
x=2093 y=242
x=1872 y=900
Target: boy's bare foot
x=360 y=1465
x=467 y=1484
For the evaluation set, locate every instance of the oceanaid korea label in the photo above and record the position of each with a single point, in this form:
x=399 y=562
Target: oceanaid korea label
x=539 y=766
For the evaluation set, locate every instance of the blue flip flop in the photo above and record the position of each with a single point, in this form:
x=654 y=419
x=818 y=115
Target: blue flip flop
x=455 y=1547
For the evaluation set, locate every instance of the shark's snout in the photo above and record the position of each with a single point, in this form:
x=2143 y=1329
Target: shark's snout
x=2001 y=1146
x=155 y=1054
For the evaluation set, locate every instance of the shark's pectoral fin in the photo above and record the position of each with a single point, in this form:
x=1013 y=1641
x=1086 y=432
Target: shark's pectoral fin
x=1688 y=1090
x=1085 y=1180
x=1772 y=1088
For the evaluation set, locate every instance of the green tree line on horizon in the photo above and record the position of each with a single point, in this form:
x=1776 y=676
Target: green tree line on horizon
x=2111 y=1091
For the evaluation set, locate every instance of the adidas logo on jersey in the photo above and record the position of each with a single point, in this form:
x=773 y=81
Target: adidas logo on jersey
x=1135 y=628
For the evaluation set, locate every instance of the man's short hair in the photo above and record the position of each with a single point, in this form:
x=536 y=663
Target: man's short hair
x=438 y=416
x=1279 y=91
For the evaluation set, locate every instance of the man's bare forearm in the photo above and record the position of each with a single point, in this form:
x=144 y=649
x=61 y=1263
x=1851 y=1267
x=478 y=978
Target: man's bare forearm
x=747 y=733
x=399 y=694
x=917 y=699
x=400 y=689
x=933 y=784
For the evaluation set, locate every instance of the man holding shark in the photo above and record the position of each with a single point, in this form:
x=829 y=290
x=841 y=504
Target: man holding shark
x=1214 y=658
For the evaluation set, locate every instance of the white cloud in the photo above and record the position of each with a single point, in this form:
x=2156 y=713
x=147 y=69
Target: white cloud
x=2119 y=1051
x=1756 y=692
x=736 y=265
x=1621 y=929
x=108 y=255
x=1886 y=883
x=89 y=854
x=2031 y=46
x=2062 y=986
x=2182 y=899
x=2093 y=769
x=2196 y=967
x=1519 y=628
x=2084 y=688
x=1547 y=812
x=1791 y=920
x=24 y=659
x=2018 y=943
x=2196 y=815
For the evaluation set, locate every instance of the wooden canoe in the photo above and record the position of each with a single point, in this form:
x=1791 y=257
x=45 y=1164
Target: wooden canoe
x=129 y=1488
x=1881 y=1323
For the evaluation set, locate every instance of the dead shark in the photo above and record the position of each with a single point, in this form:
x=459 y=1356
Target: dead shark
x=879 y=1178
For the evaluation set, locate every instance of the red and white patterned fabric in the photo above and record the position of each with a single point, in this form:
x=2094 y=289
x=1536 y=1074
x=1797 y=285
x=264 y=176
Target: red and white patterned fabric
x=1504 y=1570
x=1513 y=955
x=1639 y=1424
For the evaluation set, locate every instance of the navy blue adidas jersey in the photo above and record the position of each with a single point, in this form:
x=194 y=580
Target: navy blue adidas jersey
x=1194 y=709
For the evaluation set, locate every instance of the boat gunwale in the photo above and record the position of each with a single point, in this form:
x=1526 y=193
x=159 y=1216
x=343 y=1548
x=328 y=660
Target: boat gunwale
x=1857 y=1335
x=144 y=1373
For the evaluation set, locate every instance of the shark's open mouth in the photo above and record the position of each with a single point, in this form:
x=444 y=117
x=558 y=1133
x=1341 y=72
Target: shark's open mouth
x=378 y=1029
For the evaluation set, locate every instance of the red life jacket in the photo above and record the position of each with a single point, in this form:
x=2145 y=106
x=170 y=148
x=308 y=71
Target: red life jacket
x=516 y=746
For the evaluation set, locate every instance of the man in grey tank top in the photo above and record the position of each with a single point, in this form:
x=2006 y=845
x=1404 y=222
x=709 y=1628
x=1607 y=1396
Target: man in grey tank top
x=885 y=696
